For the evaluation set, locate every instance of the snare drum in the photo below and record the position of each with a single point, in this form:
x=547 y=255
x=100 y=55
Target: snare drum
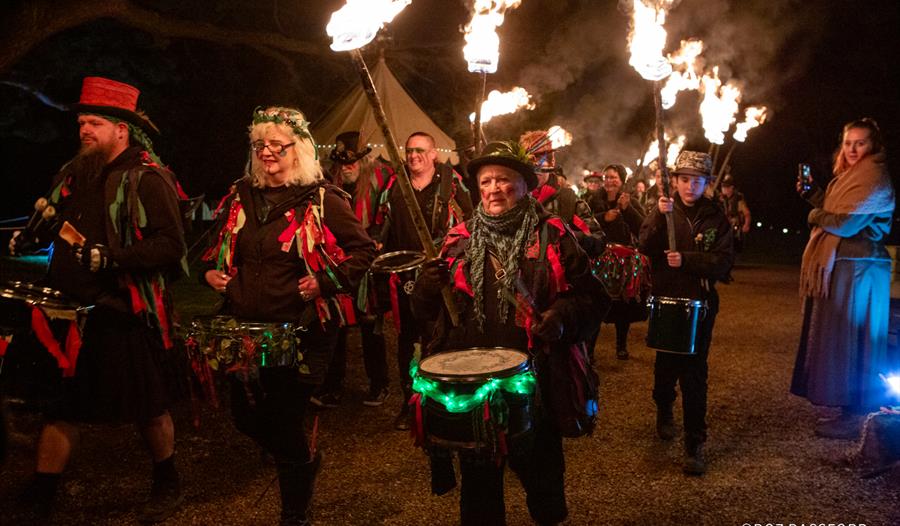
x=623 y=271
x=673 y=324
x=18 y=298
x=394 y=273
x=41 y=333
x=474 y=399
x=230 y=344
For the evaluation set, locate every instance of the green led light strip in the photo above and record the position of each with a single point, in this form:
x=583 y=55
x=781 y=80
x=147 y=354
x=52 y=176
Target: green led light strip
x=522 y=383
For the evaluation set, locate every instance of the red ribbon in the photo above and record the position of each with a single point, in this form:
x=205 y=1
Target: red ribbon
x=44 y=335
x=347 y=306
x=163 y=316
x=559 y=274
x=73 y=346
x=393 y=281
x=4 y=343
x=579 y=223
x=418 y=430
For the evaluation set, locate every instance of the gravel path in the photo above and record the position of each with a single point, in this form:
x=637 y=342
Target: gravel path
x=765 y=465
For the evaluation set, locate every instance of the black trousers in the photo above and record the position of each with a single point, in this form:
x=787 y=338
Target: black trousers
x=270 y=409
x=374 y=356
x=540 y=469
x=692 y=373
x=410 y=334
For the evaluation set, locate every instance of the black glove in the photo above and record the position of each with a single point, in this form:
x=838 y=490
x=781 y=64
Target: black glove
x=93 y=256
x=550 y=327
x=434 y=276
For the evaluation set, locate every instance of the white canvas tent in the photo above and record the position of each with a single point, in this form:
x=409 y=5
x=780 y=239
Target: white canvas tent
x=353 y=113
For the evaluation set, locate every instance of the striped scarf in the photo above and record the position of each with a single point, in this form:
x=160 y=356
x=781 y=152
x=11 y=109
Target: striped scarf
x=506 y=235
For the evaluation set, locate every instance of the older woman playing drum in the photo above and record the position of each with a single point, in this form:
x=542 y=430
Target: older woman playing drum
x=521 y=282
x=290 y=250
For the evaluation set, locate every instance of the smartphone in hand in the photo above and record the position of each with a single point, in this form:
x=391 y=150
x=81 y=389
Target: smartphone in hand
x=805 y=176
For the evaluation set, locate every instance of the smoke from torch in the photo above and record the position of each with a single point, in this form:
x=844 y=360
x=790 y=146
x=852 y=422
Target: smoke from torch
x=482 y=49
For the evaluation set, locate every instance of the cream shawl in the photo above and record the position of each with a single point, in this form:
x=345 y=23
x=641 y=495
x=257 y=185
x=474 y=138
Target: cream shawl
x=864 y=188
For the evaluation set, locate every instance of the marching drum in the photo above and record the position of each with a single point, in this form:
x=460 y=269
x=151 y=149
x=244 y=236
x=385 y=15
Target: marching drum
x=392 y=273
x=673 y=324
x=623 y=271
x=40 y=338
x=475 y=398
x=228 y=343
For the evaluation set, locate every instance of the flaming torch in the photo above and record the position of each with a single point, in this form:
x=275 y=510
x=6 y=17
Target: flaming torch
x=498 y=103
x=717 y=109
x=646 y=43
x=684 y=76
x=352 y=27
x=482 y=49
x=674 y=148
x=753 y=117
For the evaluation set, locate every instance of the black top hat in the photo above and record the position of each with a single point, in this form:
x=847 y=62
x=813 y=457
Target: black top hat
x=510 y=154
x=346 y=149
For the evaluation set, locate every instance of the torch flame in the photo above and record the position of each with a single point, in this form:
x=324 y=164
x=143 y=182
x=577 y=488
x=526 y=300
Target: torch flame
x=685 y=76
x=753 y=117
x=673 y=148
x=719 y=106
x=355 y=25
x=498 y=103
x=482 y=49
x=559 y=137
x=648 y=39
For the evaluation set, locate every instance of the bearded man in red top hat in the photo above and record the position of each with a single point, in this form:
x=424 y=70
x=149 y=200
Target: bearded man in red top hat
x=118 y=235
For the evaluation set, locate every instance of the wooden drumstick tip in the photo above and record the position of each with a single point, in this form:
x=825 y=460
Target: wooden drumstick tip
x=41 y=204
x=49 y=212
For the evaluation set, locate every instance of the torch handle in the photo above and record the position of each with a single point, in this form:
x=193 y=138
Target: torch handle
x=662 y=161
x=721 y=173
x=406 y=189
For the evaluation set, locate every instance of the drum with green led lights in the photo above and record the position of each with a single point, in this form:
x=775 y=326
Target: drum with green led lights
x=225 y=343
x=473 y=399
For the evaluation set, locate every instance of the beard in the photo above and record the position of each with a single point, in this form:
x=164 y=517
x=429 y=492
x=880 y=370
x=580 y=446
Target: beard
x=88 y=164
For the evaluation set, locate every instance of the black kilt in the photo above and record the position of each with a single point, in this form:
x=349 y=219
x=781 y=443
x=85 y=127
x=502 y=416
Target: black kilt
x=123 y=373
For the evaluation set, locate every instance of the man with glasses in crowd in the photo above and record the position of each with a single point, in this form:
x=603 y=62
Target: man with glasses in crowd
x=445 y=202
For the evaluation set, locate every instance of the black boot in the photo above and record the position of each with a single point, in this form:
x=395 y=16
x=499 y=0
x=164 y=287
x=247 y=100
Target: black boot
x=38 y=500
x=694 y=460
x=622 y=341
x=296 y=480
x=165 y=494
x=665 y=422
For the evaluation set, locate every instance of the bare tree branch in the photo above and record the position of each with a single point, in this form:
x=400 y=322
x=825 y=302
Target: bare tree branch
x=36 y=20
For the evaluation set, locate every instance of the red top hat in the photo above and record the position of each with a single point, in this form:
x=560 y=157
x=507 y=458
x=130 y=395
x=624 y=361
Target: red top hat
x=112 y=98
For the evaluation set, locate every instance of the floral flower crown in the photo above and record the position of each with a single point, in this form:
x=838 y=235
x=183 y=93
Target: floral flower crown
x=292 y=118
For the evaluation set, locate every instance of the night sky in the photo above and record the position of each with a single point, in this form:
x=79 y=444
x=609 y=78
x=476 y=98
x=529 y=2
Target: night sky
x=815 y=64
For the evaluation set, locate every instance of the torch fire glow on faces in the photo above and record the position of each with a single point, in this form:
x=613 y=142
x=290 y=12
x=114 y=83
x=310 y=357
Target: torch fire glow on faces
x=482 y=49
x=646 y=43
x=498 y=103
x=352 y=27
